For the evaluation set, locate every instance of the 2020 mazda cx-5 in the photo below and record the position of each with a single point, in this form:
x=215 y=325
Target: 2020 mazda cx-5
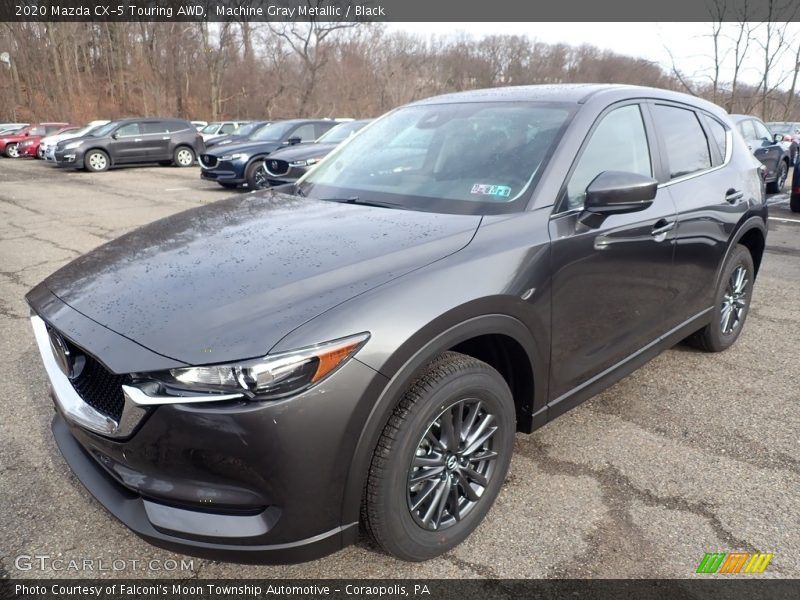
x=252 y=378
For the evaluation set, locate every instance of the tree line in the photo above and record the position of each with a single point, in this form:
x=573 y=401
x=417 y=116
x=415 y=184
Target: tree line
x=81 y=71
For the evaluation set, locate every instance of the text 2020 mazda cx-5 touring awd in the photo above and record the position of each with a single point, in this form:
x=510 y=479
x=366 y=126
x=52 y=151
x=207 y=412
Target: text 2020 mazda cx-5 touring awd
x=253 y=378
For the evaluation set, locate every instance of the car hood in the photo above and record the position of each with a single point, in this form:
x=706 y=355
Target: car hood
x=302 y=152
x=249 y=147
x=229 y=280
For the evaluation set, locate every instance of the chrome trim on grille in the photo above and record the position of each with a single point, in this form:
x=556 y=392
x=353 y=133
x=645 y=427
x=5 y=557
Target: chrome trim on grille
x=73 y=407
x=138 y=397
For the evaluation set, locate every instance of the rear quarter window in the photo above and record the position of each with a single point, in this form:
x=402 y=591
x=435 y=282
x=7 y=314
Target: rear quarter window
x=684 y=140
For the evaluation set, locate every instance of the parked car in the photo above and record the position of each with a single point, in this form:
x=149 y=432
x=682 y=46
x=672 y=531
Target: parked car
x=47 y=146
x=30 y=146
x=243 y=163
x=199 y=124
x=242 y=133
x=287 y=165
x=791 y=137
x=249 y=379
x=9 y=143
x=766 y=147
x=132 y=141
x=220 y=128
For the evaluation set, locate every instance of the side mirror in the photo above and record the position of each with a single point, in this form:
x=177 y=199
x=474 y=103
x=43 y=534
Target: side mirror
x=616 y=192
x=115 y=135
x=293 y=141
x=778 y=138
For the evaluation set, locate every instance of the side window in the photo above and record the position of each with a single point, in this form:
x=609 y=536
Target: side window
x=619 y=143
x=684 y=140
x=37 y=131
x=227 y=128
x=153 y=127
x=323 y=128
x=304 y=132
x=129 y=129
x=719 y=133
x=746 y=129
x=53 y=128
x=762 y=133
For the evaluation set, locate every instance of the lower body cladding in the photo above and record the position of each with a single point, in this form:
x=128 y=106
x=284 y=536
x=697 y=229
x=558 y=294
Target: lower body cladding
x=245 y=482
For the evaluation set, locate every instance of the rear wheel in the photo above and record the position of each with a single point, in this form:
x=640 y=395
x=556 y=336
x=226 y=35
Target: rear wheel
x=12 y=151
x=256 y=175
x=183 y=156
x=776 y=186
x=441 y=459
x=40 y=153
x=731 y=304
x=96 y=161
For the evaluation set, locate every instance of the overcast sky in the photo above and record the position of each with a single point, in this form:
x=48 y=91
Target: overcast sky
x=689 y=43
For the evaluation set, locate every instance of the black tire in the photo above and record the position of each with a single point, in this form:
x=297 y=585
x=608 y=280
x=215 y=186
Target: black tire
x=40 y=153
x=716 y=337
x=794 y=203
x=96 y=161
x=452 y=382
x=775 y=187
x=12 y=150
x=183 y=156
x=256 y=175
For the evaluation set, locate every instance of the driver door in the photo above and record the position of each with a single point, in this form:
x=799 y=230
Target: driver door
x=611 y=278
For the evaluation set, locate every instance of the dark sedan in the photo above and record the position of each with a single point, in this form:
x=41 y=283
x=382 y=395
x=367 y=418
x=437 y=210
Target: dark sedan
x=252 y=378
x=241 y=163
x=766 y=147
x=287 y=165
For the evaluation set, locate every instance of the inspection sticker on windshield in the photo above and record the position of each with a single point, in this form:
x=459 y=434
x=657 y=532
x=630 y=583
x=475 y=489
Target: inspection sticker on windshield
x=491 y=190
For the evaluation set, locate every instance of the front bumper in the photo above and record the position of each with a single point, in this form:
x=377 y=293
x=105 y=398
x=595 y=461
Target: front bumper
x=216 y=536
x=68 y=158
x=224 y=171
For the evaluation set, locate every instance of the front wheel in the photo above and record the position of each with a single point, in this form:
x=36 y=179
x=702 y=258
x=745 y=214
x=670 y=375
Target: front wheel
x=256 y=175
x=96 y=161
x=776 y=186
x=12 y=151
x=731 y=304
x=441 y=459
x=183 y=156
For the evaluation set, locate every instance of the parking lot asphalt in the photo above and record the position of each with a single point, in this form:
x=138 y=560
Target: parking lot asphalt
x=693 y=453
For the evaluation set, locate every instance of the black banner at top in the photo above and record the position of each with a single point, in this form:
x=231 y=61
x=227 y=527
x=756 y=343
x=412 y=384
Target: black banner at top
x=398 y=10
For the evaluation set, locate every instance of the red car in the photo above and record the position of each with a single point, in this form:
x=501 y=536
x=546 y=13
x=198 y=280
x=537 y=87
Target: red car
x=9 y=144
x=29 y=147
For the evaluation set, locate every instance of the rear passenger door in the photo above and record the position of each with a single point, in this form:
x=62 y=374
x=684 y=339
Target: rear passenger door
x=710 y=199
x=306 y=132
x=156 y=140
x=611 y=280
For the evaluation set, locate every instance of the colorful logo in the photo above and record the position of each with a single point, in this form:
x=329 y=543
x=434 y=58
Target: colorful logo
x=734 y=562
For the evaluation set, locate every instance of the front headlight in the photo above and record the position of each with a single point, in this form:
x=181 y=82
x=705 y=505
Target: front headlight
x=237 y=156
x=72 y=145
x=304 y=163
x=269 y=378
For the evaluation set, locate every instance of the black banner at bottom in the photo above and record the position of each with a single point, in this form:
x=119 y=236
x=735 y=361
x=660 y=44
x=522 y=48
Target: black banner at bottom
x=394 y=589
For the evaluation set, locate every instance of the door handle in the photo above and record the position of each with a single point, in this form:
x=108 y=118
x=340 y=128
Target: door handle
x=166 y=137
x=137 y=139
x=661 y=228
x=733 y=196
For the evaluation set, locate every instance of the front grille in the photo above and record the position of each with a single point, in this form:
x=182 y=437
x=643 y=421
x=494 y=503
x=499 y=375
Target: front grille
x=276 y=167
x=98 y=387
x=208 y=160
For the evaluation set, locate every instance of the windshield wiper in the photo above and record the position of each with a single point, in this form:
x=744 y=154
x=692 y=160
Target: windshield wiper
x=357 y=200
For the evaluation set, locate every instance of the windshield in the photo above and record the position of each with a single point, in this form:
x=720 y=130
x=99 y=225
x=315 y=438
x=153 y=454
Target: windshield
x=472 y=157
x=211 y=128
x=341 y=132
x=791 y=128
x=272 y=133
x=247 y=128
x=102 y=130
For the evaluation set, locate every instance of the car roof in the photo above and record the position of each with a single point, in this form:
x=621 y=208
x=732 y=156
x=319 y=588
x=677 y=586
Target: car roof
x=577 y=93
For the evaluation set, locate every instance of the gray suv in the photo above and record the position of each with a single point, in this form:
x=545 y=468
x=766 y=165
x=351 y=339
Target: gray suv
x=132 y=141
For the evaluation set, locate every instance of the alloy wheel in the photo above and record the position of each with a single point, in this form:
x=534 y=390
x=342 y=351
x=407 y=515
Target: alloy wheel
x=734 y=301
x=782 y=174
x=452 y=465
x=12 y=150
x=260 y=178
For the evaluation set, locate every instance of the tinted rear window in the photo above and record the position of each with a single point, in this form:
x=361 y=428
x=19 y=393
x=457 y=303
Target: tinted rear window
x=684 y=140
